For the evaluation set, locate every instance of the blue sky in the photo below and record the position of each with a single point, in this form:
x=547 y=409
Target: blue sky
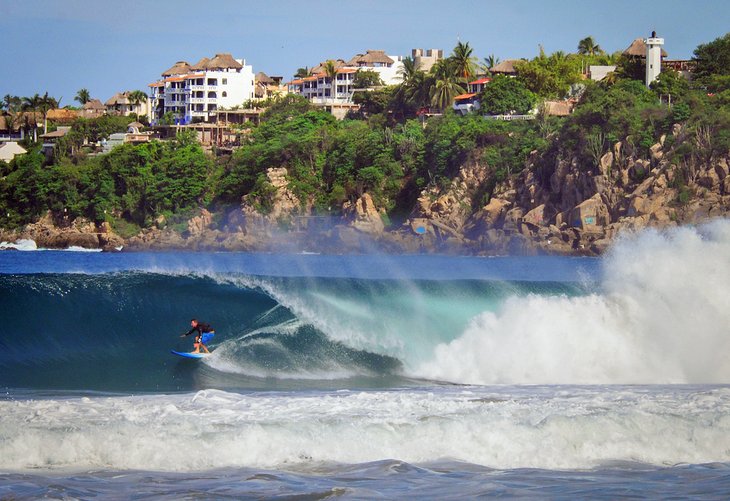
x=60 y=46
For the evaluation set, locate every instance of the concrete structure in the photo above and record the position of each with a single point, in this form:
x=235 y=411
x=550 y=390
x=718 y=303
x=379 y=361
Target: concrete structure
x=597 y=73
x=194 y=93
x=425 y=59
x=653 y=57
x=9 y=150
x=134 y=135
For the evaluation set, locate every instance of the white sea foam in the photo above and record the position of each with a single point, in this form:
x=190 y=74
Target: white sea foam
x=662 y=316
x=507 y=427
x=21 y=245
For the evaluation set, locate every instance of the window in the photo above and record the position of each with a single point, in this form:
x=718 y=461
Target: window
x=225 y=81
x=224 y=94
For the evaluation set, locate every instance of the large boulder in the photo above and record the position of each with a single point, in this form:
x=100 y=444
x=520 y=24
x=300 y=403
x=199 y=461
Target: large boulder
x=364 y=216
x=590 y=215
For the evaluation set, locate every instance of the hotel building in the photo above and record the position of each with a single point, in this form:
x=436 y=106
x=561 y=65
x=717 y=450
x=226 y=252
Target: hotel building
x=194 y=93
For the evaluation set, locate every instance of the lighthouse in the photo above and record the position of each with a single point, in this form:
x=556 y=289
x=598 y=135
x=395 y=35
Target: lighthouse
x=653 y=57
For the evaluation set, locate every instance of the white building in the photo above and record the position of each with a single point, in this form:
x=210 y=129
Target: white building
x=194 y=93
x=319 y=88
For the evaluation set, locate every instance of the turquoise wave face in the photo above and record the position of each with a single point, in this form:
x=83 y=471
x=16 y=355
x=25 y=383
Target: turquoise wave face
x=113 y=332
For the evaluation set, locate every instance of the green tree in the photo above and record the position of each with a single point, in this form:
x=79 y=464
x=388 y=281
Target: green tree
x=137 y=97
x=366 y=78
x=505 y=95
x=713 y=58
x=303 y=72
x=549 y=77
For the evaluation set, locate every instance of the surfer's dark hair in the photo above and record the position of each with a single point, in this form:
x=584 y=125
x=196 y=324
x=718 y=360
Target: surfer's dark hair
x=193 y=319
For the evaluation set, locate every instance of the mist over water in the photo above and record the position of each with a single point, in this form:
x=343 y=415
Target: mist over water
x=660 y=314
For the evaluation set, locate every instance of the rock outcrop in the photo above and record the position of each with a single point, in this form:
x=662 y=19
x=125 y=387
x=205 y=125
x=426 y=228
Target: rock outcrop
x=51 y=234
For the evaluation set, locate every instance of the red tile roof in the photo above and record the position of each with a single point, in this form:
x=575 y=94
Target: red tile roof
x=461 y=97
x=481 y=81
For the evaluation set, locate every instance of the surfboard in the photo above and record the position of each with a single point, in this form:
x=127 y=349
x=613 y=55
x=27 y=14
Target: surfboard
x=189 y=354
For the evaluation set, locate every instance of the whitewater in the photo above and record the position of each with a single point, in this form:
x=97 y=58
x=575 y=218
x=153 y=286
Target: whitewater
x=370 y=376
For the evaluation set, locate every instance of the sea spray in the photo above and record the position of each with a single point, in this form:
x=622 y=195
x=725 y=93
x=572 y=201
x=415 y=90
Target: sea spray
x=661 y=315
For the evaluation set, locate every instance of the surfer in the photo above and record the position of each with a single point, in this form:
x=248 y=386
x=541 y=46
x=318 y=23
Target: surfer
x=201 y=329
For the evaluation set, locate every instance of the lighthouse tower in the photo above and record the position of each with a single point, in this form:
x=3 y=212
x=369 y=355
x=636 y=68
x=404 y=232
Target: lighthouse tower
x=653 y=57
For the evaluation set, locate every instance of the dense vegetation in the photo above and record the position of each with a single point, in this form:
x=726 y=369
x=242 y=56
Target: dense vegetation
x=388 y=149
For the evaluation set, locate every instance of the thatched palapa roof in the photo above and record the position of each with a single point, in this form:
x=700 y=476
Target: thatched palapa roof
x=638 y=49
x=506 y=67
x=320 y=68
x=179 y=68
x=200 y=65
x=370 y=58
x=93 y=104
x=223 y=61
x=263 y=78
x=62 y=115
x=118 y=98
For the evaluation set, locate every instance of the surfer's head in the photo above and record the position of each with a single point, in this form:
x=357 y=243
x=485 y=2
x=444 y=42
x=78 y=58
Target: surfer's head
x=194 y=322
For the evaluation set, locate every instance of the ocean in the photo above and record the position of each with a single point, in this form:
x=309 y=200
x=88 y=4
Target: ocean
x=369 y=376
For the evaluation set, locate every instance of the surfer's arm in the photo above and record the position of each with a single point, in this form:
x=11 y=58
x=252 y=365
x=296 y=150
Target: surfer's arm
x=189 y=332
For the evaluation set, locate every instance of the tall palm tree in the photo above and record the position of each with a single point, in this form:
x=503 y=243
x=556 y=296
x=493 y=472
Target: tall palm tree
x=464 y=62
x=83 y=96
x=45 y=104
x=408 y=70
x=330 y=69
x=589 y=47
x=30 y=106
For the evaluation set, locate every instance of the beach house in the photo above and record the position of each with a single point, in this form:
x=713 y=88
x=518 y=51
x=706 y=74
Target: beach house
x=193 y=93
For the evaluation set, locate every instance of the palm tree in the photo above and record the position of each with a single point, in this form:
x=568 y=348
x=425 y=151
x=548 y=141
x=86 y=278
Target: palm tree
x=330 y=69
x=447 y=83
x=30 y=106
x=463 y=60
x=12 y=119
x=589 y=47
x=11 y=103
x=490 y=62
x=408 y=71
x=83 y=96
x=136 y=97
